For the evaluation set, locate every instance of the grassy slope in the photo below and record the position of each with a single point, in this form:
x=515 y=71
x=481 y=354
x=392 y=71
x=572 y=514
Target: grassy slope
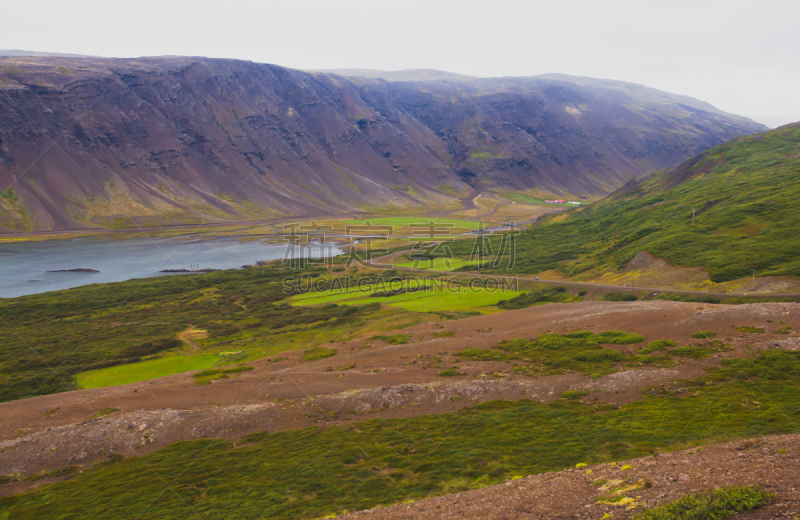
x=53 y=337
x=747 y=202
x=313 y=472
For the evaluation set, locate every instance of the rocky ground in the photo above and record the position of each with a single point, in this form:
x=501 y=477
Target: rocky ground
x=380 y=380
x=771 y=462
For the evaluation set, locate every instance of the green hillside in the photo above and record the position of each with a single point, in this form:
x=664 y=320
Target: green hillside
x=746 y=202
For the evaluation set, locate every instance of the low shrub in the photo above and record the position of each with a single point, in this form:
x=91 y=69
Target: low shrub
x=616 y=337
x=691 y=352
x=394 y=339
x=714 y=505
x=204 y=377
x=653 y=346
x=749 y=329
x=317 y=353
x=599 y=356
x=574 y=394
x=450 y=372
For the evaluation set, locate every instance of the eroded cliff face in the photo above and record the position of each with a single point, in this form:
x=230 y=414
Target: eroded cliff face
x=90 y=142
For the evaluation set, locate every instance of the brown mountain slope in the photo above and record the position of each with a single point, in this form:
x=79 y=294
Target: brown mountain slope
x=92 y=142
x=564 y=134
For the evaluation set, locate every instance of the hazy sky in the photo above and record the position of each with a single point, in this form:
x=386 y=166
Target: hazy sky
x=741 y=56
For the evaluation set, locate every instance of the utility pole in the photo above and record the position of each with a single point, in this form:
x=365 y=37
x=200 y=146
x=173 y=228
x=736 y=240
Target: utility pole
x=693 y=211
x=754 y=279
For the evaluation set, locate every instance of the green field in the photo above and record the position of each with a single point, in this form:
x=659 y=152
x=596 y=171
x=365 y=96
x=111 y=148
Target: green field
x=438 y=264
x=404 y=222
x=144 y=370
x=456 y=298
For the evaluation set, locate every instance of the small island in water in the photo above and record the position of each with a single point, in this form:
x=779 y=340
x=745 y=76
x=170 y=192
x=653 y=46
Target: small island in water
x=79 y=270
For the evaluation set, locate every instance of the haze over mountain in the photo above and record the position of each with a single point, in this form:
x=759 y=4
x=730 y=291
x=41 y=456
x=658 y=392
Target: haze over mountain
x=400 y=75
x=93 y=142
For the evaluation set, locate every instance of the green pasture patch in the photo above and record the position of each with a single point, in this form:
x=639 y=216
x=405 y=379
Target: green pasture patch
x=418 y=296
x=397 y=289
x=327 y=297
x=465 y=299
x=404 y=222
x=144 y=370
x=436 y=264
x=443 y=334
x=704 y=334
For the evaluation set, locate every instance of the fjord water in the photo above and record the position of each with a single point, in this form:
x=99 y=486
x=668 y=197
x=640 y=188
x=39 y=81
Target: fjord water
x=24 y=266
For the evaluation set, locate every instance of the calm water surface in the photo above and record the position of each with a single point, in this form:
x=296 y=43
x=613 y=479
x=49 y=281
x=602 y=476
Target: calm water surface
x=24 y=266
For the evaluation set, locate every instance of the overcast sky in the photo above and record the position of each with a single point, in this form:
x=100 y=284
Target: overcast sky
x=741 y=56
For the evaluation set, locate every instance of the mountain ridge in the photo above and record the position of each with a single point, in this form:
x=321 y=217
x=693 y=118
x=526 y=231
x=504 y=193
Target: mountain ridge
x=108 y=142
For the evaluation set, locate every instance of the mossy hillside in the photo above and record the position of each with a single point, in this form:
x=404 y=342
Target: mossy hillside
x=315 y=472
x=742 y=194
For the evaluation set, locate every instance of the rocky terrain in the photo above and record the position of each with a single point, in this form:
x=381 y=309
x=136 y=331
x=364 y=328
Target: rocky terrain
x=91 y=142
x=57 y=431
x=770 y=462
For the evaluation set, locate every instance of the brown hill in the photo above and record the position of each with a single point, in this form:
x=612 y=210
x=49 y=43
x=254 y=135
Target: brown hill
x=93 y=142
